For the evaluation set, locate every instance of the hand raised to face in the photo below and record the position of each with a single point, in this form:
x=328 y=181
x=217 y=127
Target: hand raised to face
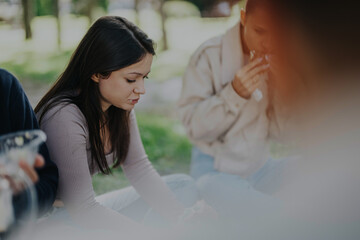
x=250 y=77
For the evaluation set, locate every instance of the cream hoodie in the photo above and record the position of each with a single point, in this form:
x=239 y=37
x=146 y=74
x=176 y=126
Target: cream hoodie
x=233 y=130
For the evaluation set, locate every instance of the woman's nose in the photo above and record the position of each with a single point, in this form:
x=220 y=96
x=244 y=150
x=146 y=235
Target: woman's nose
x=140 y=88
x=265 y=45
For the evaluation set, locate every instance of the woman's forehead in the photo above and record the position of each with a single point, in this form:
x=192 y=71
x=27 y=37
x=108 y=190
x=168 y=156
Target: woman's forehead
x=261 y=15
x=142 y=67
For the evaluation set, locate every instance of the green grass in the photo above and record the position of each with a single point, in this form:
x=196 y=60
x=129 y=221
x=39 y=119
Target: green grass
x=167 y=147
x=35 y=67
x=103 y=184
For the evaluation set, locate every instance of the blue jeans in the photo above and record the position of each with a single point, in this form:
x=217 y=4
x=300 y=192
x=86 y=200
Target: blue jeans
x=232 y=195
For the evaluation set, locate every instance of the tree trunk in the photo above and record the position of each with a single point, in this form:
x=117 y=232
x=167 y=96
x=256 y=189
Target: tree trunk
x=163 y=24
x=27 y=17
x=58 y=23
x=89 y=10
x=137 y=18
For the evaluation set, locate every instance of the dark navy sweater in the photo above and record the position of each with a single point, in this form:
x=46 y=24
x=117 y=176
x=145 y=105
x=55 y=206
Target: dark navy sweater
x=16 y=114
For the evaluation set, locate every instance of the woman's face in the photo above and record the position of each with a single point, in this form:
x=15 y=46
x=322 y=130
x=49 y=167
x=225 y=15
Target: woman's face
x=124 y=87
x=259 y=27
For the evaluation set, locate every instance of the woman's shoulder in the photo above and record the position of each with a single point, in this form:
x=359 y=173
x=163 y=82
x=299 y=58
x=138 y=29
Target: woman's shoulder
x=10 y=86
x=63 y=113
x=211 y=47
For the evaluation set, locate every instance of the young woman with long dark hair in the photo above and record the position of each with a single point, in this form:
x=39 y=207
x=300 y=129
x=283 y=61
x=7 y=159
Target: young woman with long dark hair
x=88 y=118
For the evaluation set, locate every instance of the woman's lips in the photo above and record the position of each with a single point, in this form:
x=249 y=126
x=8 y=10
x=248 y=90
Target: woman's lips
x=135 y=101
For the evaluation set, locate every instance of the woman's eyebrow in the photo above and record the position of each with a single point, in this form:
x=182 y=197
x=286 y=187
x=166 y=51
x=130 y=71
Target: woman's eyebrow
x=260 y=27
x=139 y=74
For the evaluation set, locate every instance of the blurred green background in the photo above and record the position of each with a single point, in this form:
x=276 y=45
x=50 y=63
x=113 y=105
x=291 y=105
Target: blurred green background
x=37 y=38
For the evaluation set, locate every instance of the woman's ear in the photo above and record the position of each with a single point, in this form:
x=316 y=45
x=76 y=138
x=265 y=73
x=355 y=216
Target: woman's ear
x=242 y=16
x=96 y=77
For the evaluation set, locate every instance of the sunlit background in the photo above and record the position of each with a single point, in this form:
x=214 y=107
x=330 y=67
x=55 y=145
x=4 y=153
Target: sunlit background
x=37 y=38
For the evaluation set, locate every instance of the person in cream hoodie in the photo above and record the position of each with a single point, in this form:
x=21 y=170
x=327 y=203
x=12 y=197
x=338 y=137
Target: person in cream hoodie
x=229 y=126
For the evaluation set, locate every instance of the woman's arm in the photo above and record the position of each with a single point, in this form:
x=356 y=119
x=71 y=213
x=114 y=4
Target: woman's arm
x=66 y=129
x=146 y=180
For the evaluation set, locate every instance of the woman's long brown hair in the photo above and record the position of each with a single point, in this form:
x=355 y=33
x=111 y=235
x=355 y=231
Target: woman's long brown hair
x=110 y=44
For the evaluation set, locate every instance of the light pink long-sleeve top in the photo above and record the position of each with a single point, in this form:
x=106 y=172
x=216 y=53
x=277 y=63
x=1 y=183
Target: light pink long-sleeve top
x=68 y=143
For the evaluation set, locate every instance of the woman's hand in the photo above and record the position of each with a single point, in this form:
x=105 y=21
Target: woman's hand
x=199 y=212
x=249 y=78
x=18 y=186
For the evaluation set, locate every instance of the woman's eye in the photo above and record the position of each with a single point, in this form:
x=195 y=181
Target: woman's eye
x=130 y=80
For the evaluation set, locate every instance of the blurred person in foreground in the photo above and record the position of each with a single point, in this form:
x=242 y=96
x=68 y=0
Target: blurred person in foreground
x=320 y=194
x=17 y=115
x=325 y=51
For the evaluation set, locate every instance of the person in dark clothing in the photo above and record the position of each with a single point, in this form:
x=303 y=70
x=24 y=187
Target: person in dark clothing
x=16 y=114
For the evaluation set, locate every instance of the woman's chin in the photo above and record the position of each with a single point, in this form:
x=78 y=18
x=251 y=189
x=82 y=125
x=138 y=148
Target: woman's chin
x=126 y=107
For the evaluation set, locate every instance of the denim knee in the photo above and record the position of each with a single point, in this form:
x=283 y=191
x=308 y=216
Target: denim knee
x=184 y=188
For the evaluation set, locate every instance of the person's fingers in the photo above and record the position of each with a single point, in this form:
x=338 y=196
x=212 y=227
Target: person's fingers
x=245 y=80
x=252 y=65
x=256 y=80
x=39 y=161
x=13 y=185
x=256 y=71
x=30 y=171
x=254 y=87
x=243 y=74
x=254 y=83
x=251 y=82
